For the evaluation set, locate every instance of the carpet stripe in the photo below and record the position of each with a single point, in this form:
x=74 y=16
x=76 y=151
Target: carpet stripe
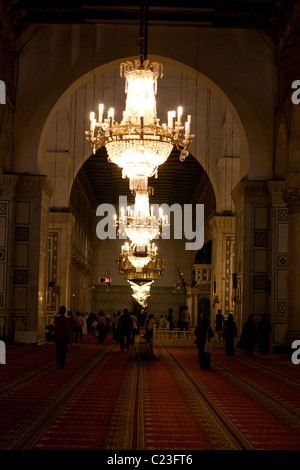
x=262 y=414
x=33 y=425
x=241 y=442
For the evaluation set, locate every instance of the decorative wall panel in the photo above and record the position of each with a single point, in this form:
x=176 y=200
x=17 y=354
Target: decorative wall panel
x=21 y=256
x=281 y=260
x=4 y=211
x=52 y=266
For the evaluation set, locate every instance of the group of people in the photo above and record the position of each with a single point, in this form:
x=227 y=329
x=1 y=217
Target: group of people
x=249 y=335
x=125 y=327
x=227 y=330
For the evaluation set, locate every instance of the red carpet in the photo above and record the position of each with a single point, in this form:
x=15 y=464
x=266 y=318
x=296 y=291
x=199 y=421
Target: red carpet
x=102 y=400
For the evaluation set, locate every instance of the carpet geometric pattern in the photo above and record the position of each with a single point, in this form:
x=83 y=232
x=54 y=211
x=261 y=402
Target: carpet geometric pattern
x=103 y=400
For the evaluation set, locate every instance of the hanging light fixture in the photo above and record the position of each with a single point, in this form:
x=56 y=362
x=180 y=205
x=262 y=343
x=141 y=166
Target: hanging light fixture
x=139 y=144
x=141 y=292
x=150 y=272
x=139 y=255
x=140 y=224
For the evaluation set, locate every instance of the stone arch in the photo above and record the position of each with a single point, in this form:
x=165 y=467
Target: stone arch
x=86 y=92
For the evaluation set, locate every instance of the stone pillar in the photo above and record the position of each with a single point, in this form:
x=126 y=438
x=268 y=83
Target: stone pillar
x=7 y=228
x=27 y=201
x=252 y=240
x=223 y=235
x=278 y=261
x=292 y=199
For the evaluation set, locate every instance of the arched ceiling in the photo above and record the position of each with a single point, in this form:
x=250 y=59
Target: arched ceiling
x=177 y=182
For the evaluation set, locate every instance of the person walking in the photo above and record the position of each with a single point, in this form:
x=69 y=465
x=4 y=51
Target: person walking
x=150 y=322
x=229 y=334
x=135 y=327
x=185 y=319
x=264 y=329
x=101 y=327
x=78 y=324
x=219 y=323
x=125 y=330
x=171 y=319
x=249 y=335
x=63 y=336
x=203 y=334
x=84 y=324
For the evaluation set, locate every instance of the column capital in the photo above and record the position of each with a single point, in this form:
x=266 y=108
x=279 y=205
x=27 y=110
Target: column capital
x=249 y=188
x=291 y=197
x=222 y=221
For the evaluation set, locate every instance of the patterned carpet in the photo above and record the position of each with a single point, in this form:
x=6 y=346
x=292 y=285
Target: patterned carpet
x=103 y=400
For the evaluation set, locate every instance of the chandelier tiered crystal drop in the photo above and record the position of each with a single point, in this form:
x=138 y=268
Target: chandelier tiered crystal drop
x=139 y=144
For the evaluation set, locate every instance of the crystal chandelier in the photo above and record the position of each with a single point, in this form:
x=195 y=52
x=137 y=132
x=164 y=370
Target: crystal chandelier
x=140 y=224
x=141 y=292
x=139 y=255
x=150 y=272
x=139 y=144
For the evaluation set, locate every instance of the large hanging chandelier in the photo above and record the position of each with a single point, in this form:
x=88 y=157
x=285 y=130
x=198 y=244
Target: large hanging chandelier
x=139 y=144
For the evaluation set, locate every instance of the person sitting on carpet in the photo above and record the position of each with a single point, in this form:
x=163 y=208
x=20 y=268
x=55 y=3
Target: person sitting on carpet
x=142 y=350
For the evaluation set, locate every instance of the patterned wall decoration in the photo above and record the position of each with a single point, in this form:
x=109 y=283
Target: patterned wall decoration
x=21 y=256
x=261 y=239
x=4 y=214
x=21 y=234
x=281 y=257
x=229 y=240
x=52 y=271
x=260 y=278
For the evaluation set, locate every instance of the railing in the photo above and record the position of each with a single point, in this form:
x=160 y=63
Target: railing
x=175 y=337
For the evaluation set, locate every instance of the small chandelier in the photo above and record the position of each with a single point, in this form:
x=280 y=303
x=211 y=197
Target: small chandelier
x=139 y=255
x=150 y=272
x=141 y=292
x=140 y=224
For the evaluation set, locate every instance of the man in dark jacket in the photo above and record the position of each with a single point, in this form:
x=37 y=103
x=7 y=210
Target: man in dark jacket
x=62 y=333
x=125 y=329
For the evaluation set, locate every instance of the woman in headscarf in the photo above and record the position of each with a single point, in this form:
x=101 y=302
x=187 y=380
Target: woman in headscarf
x=249 y=335
x=229 y=335
x=203 y=334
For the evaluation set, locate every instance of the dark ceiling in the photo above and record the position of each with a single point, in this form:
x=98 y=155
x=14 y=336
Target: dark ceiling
x=258 y=14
